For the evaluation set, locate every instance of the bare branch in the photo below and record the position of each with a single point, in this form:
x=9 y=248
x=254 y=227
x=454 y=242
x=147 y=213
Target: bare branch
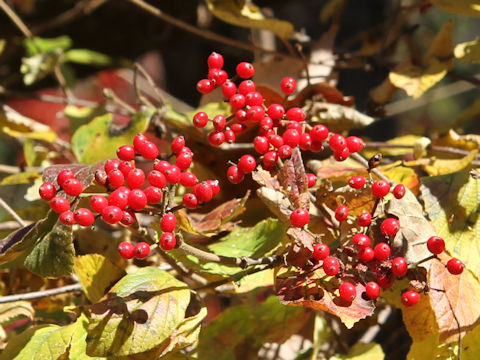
x=12 y=212
x=40 y=294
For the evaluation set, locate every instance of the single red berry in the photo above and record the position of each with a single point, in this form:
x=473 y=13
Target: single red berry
x=98 y=202
x=337 y=142
x=382 y=251
x=254 y=98
x=399 y=191
x=237 y=101
x=331 y=266
x=115 y=178
x=380 y=188
x=187 y=179
x=157 y=179
x=112 y=214
x=291 y=137
x=126 y=250
x=47 y=191
x=135 y=178
x=305 y=142
x=372 y=289
x=366 y=255
x=361 y=241
x=215 y=60
x=390 y=227
x=311 y=180
x=162 y=166
x=125 y=167
x=295 y=114
x=177 y=144
x=276 y=140
x=246 y=86
x=229 y=135
x=190 y=201
x=245 y=70
x=59 y=204
x=67 y=217
x=184 y=160
x=141 y=250
x=410 y=298
x=219 y=122
x=148 y=150
x=200 y=119
x=215 y=185
x=237 y=128
x=126 y=152
x=168 y=241
x=399 y=266
x=205 y=86
x=347 y=291
x=168 y=222
x=299 y=218
x=319 y=133
x=316 y=146
x=266 y=123
x=203 y=192
x=295 y=126
x=173 y=174
x=84 y=217
x=137 y=200
x=341 y=213
x=384 y=278
x=341 y=155
x=355 y=144
x=255 y=113
x=284 y=151
x=270 y=159
x=276 y=111
x=241 y=115
x=356 y=182
x=235 y=175
x=128 y=217
x=118 y=198
x=63 y=176
x=261 y=144
x=247 y=164
x=288 y=85
x=455 y=266
x=217 y=76
x=435 y=245
x=320 y=252
x=365 y=219
x=216 y=138
x=153 y=194
x=138 y=140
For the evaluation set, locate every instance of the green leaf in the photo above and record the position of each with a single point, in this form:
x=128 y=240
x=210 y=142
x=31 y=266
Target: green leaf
x=78 y=344
x=451 y=202
x=468 y=52
x=245 y=14
x=362 y=351
x=240 y=331
x=96 y=274
x=87 y=57
x=432 y=348
x=465 y=7
x=53 y=255
x=96 y=141
x=141 y=311
x=37 y=45
x=48 y=342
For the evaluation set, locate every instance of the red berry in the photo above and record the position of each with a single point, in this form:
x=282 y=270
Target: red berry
x=347 y=291
x=98 y=203
x=138 y=140
x=47 y=191
x=331 y=266
x=203 y=192
x=455 y=266
x=237 y=101
x=125 y=167
x=59 y=204
x=246 y=86
x=187 y=179
x=364 y=219
x=126 y=250
x=128 y=217
x=153 y=194
x=184 y=160
x=299 y=218
x=382 y=251
x=356 y=182
x=399 y=266
x=361 y=241
x=67 y=217
x=380 y=188
x=341 y=213
x=276 y=111
x=291 y=137
x=254 y=98
x=229 y=135
x=190 y=201
x=296 y=114
x=148 y=150
x=217 y=76
x=219 y=122
x=372 y=289
x=126 y=152
x=247 y=164
x=245 y=70
x=200 y=119
x=237 y=128
x=305 y=142
x=137 y=200
x=157 y=179
x=266 y=123
x=215 y=185
x=435 y=245
x=320 y=252
x=241 y=115
x=229 y=89
x=255 y=113
x=84 y=217
x=390 y=226
x=235 y=175
x=168 y=222
x=319 y=133
x=168 y=241
x=135 y=178
x=284 y=151
x=355 y=144
x=173 y=174
x=384 y=279
x=64 y=175
x=337 y=142
x=399 y=191
x=205 y=86
x=270 y=159
x=276 y=140
x=216 y=138
x=316 y=146
x=296 y=126
x=261 y=144
x=288 y=85
x=215 y=60
x=141 y=250
x=410 y=298
x=177 y=144
x=366 y=255
x=311 y=180
x=115 y=178
x=112 y=214
x=341 y=155
x=162 y=166
x=118 y=198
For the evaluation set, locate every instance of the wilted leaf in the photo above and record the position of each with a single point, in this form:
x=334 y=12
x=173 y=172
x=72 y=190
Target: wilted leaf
x=148 y=304
x=465 y=142
x=25 y=177
x=384 y=92
x=96 y=273
x=441 y=48
x=402 y=175
x=448 y=166
x=361 y=351
x=293 y=180
x=240 y=331
x=14 y=309
x=87 y=57
x=468 y=52
x=451 y=202
x=321 y=92
x=245 y=14
x=339 y=117
x=53 y=255
x=415 y=80
x=83 y=173
x=466 y=7
x=277 y=202
x=46 y=342
x=97 y=141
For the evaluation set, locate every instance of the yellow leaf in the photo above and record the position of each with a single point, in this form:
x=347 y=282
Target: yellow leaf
x=465 y=142
x=415 y=80
x=239 y=13
x=17 y=308
x=432 y=348
x=384 y=92
x=26 y=177
x=3 y=42
x=442 y=45
x=468 y=52
x=448 y=166
x=466 y=7
x=471 y=344
x=362 y=351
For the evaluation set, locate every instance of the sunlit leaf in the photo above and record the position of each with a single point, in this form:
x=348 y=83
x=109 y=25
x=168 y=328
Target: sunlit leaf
x=441 y=47
x=25 y=177
x=471 y=344
x=339 y=117
x=448 y=166
x=465 y=7
x=14 y=309
x=78 y=344
x=432 y=348
x=384 y=92
x=87 y=57
x=468 y=52
x=293 y=180
x=37 y=45
x=361 y=351
x=16 y=125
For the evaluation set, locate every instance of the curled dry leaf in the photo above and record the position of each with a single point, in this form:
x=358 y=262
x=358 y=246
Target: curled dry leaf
x=338 y=117
x=468 y=52
x=293 y=180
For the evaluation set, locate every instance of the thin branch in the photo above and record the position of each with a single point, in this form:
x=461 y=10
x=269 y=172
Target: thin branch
x=111 y=95
x=40 y=294
x=361 y=160
x=16 y=19
x=151 y=82
x=48 y=98
x=12 y=212
x=9 y=225
x=236 y=147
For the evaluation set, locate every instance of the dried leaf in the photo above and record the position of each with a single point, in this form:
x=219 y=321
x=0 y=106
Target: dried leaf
x=14 y=309
x=293 y=180
x=468 y=52
x=441 y=48
x=16 y=125
x=83 y=173
x=321 y=91
x=448 y=166
x=384 y=92
x=466 y=7
x=339 y=117
x=276 y=202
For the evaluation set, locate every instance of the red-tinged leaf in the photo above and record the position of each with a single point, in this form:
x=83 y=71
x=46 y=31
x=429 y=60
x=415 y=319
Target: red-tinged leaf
x=264 y=178
x=83 y=173
x=301 y=247
x=293 y=179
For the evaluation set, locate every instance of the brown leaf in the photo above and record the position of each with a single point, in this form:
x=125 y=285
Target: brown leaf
x=83 y=173
x=329 y=93
x=301 y=247
x=293 y=179
x=264 y=178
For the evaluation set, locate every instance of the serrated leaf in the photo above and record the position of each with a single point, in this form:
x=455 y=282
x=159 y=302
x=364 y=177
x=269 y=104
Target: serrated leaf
x=448 y=166
x=240 y=331
x=468 y=52
x=245 y=14
x=361 y=351
x=451 y=202
x=14 y=309
x=95 y=141
x=465 y=7
x=96 y=273
x=53 y=255
x=148 y=304
x=48 y=342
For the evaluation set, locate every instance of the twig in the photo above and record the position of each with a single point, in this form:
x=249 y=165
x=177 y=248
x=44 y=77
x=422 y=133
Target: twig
x=62 y=81
x=12 y=212
x=48 y=98
x=361 y=160
x=16 y=20
x=9 y=225
x=40 y=294
x=137 y=67
x=235 y=147
x=110 y=95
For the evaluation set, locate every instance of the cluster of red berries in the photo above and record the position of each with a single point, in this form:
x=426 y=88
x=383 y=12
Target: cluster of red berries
x=279 y=129
x=130 y=190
